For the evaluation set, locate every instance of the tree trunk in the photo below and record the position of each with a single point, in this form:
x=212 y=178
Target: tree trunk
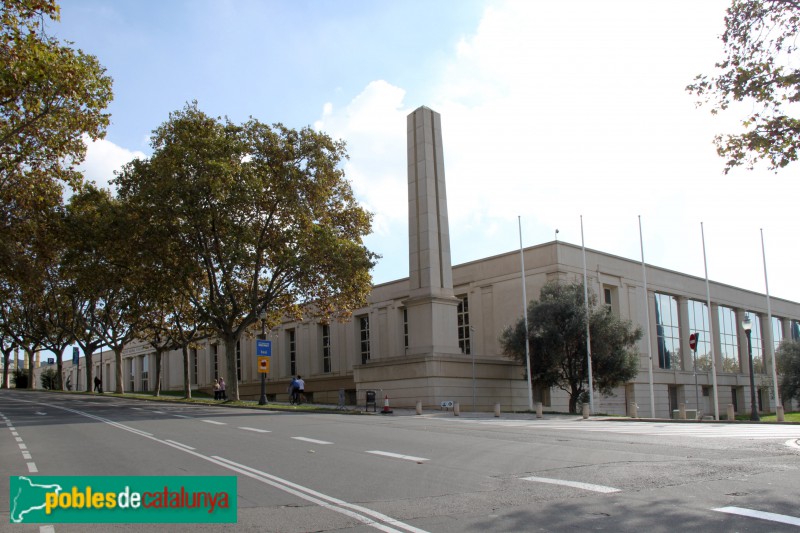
x=232 y=384
x=87 y=360
x=6 y=362
x=31 y=353
x=187 y=378
x=118 y=388
x=157 y=388
x=60 y=369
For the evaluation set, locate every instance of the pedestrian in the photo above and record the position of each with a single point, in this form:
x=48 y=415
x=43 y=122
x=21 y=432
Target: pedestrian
x=216 y=389
x=301 y=388
x=69 y=382
x=222 y=395
x=98 y=385
x=293 y=390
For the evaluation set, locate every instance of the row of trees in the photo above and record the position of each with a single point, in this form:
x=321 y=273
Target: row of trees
x=557 y=344
x=224 y=222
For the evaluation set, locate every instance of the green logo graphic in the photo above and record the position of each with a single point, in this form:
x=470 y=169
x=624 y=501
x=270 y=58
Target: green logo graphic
x=122 y=499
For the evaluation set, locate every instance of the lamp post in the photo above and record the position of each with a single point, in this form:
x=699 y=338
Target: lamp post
x=263 y=399
x=747 y=326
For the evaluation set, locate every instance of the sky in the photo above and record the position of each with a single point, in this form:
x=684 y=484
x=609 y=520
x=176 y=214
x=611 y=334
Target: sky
x=551 y=111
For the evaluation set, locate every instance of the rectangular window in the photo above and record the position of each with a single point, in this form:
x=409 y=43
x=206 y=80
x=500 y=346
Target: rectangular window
x=463 y=324
x=728 y=340
x=405 y=329
x=292 y=347
x=132 y=374
x=795 y=330
x=698 y=323
x=238 y=361
x=777 y=333
x=757 y=344
x=145 y=374
x=326 y=348
x=669 y=339
x=607 y=296
x=193 y=365
x=363 y=335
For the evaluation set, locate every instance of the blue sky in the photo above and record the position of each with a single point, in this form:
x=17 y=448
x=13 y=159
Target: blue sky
x=550 y=110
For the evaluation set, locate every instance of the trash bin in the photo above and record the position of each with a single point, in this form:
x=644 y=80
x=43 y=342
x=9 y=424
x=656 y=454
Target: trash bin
x=371 y=401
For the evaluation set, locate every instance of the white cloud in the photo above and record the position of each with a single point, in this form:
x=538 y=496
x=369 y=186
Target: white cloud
x=103 y=158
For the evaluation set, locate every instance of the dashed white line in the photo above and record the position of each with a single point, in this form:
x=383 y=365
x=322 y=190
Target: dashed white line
x=256 y=430
x=215 y=422
x=752 y=513
x=47 y=529
x=574 y=484
x=397 y=456
x=180 y=444
x=22 y=446
x=18 y=439
x=313 y=441
x=26 y=455
x=181 y=416
x=32 y=468
x=160 y=412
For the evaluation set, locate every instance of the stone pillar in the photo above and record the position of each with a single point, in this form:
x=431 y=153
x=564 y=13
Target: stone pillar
x=431 y=304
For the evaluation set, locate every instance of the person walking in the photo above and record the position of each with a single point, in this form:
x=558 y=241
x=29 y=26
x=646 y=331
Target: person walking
x=216 y=389
x=98 y=384
x=293 y=391
x=301 y=389
x=222 y=395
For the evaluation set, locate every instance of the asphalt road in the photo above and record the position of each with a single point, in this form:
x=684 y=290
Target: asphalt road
x=302 y=472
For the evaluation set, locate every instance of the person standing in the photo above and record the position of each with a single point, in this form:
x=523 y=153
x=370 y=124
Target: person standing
x=216 y=389
x=98 y=385
x=301 y=389
x=222 y=395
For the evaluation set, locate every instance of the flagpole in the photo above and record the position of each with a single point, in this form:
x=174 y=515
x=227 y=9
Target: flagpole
x=588 y=336
x=525 y=316
x=710 y=328
x=647 y=311
x=771 y=348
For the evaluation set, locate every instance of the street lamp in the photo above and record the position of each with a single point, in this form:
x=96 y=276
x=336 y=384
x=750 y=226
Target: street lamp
x=263 y=399
x=747 y=326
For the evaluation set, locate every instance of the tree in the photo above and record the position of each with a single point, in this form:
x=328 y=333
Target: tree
x=261 y=215
x=788 y=359
x=760 y=43
x=49 y=378
x=557 y=343
x=51 y=96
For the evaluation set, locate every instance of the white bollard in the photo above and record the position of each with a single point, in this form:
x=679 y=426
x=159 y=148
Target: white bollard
x=779 y=414
x=497 y=410
x=419 y=408
x=731 y=414
x=456 y=409
x=585 y=411
x=538 y=409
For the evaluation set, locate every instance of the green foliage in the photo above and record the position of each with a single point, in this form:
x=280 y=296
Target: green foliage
x=20 y=378
x=557 y=340
x=759 y=66
x=787 y=358
x=49 y=378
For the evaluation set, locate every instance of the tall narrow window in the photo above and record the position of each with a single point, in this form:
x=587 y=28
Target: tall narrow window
x=326 y=348
x=145 y=374
x=132 y=374
x=757 y=344
x=777 y=333
x=193 y=357
x=669 y=343
x=215 y=360
x=405 y=328
x=363 y=334
x=698 y=323
x=292 y=346
x=463 y=324
x=728 y=340
x=795 y=330
x=238 y=361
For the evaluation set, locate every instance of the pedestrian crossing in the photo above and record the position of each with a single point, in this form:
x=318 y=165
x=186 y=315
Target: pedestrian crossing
x=699 y=430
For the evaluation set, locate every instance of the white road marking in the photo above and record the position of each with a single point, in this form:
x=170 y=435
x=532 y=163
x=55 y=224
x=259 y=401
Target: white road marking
x=772 y=517
x=256 y=430
x=215 y=422
x=398 y=456
x=40 y=413
x=18 y=439
x=22 y=446
x=574 y=484
x=795 y=443
x=47 y=529
x=26 y=455
x=179 y=444
x=313 y=441
x=32 y=468
x=160 y=412
x=182 y=416
x=14 y=433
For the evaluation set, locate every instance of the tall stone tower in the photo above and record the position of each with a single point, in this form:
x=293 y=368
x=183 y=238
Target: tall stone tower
x=431 y=305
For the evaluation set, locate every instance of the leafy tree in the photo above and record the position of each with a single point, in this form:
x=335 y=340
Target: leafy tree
x=261 y=215
x=49 y=378
x=51 y=96
x=787 y=358
x=557 y=343
x=20 y=378
x=759 y=66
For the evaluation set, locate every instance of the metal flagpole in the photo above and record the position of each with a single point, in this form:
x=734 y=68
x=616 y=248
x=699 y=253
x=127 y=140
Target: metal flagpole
x=588 y=336
x=710 y=329
x=525 y=316
x=647 y=311
x=771 y=348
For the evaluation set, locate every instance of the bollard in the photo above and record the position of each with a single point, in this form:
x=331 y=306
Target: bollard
x=456 y=409
x=585 y=411
x=731 y=415
x=634 y=410
x=682 y=411
x=779 y=413
x=497 y=410
x=419 y=408
x=538 y=409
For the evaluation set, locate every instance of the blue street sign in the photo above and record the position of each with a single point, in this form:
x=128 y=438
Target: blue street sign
x=263 y=348
x=74 y=355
